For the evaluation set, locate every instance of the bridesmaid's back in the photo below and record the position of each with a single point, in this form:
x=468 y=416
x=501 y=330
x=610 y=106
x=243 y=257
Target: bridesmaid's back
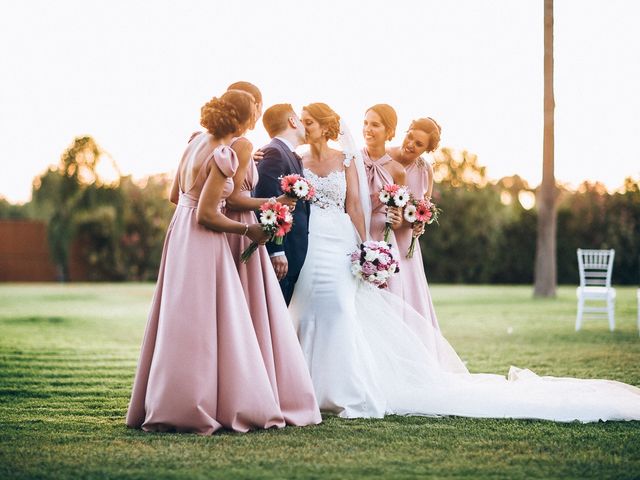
x=193 y=169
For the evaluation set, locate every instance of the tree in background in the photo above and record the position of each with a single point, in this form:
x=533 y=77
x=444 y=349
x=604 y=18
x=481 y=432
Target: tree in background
x=145 y=220
x=117 y=228
x=463 y=247
x=594 y=218
x=9 y=211
x=453 y=168
x=487 y=233
x=545 y=267
x=59 y=195
x=516 y=247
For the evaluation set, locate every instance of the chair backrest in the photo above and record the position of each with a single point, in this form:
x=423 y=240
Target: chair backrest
x=595 y=267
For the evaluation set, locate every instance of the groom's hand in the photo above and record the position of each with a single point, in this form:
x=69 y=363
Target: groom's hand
x=280 y=265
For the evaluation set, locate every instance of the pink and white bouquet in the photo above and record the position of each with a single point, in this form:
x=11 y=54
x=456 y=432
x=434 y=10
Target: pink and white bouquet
x=296 y=186
x=373 y=262
x=276 y=220
x=419 y=212
x=393 y=196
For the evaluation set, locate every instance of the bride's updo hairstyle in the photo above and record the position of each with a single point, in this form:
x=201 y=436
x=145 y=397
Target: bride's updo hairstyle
x=326 y=117
x=388 y=116
x=429 y=126
x=227 y=114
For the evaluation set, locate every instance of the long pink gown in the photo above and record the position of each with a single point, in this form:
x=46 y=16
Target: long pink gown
x=281 y=352
x=415 y=289
x=378 y=177
x=200 y=366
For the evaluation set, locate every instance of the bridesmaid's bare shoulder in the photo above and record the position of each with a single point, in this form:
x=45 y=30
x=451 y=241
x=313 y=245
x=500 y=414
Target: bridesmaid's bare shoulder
x=394 y=153
x=243 y=148
x=428 y=166
x=241 y=143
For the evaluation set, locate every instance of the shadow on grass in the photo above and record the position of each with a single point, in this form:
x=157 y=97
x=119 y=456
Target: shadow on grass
x=35 y=320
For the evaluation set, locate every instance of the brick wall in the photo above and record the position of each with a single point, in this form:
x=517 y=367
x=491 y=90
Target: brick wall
x=24 y=252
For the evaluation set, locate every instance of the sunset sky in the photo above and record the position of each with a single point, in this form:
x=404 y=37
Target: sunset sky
x=134 y=74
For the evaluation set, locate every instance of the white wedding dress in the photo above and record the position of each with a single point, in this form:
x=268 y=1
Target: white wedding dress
x=370 y=354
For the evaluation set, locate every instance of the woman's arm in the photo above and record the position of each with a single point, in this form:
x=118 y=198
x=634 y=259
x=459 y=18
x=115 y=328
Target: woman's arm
x=238 y=201
x=353 y=206
x=174 y=196
x=429 y=173
x=398 y=173
x=209 y=216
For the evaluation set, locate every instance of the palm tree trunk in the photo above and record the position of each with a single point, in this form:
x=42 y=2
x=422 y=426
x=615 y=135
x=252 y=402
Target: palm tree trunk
x=545 y=267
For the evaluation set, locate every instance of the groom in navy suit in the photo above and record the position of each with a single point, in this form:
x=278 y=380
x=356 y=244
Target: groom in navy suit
x=286 y=132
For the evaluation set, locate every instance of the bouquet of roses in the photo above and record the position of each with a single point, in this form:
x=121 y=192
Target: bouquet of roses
x=276 y=220
x=420 y=211
x=295 y=186
x=373 y=262
x=392 y=196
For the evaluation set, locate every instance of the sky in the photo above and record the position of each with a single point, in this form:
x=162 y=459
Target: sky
x=134 y=74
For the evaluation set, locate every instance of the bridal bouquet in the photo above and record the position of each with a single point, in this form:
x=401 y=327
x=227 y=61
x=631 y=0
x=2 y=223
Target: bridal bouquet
x=296 y=186
x=392 y=196
x=276 y=220
x=373 y=262
x=420 y=211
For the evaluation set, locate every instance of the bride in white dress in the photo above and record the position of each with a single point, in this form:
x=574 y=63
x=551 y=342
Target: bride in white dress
x=370 y=354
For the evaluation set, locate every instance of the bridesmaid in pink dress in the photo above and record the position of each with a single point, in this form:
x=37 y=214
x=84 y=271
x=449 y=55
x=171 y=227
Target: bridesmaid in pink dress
x=380 y=126
x=281 y=352
x=423 y=136
x=200 y=366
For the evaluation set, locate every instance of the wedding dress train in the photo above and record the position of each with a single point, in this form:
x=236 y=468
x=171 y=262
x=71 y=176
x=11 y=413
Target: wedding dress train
x=370 y=354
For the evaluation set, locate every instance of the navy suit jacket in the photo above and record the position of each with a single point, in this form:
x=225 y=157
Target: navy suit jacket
x=278 y=161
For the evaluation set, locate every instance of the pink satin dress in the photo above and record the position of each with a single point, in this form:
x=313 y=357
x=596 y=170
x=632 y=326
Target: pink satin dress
x=415 y=289
x=201 y=368
x=288 y=374
x=378 y=177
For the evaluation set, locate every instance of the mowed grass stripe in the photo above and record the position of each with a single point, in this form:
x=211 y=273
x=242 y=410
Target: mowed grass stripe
x=84 y=360
x=65 y=386
x=53 y=372
x=69 y=357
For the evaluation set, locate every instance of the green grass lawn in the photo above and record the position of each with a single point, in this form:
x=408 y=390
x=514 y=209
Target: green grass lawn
x=68 y=355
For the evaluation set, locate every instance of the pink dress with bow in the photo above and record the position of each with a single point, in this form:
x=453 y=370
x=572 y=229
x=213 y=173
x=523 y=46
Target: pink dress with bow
x=378 y=177
x=200 y=367
x=414 y=281
x=279 y=346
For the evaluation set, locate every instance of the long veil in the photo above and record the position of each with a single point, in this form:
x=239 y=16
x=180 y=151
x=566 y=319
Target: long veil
x=352 y=153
